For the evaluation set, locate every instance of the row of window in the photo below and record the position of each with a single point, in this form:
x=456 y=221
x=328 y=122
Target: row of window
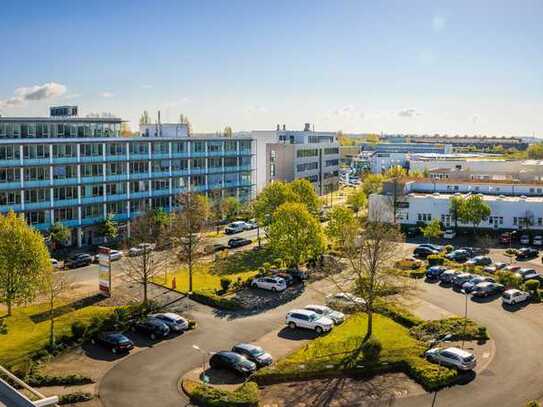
x=59 y=130
x=313 y=152
x=307 y=166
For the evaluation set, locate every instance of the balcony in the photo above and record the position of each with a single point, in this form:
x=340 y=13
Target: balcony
x=65 y=202
x=116 y=177
x=135 y=157
x=181 y=154
x=160 y=192
x=180 y=172
x=231 y=153
x=116 y=197
x=92 y=199
x=160 y=174
x=10 y=163
x=36 y=161
x=6 y=208
x=120 y=217
x=37 y=183
x=142 y=194
x=37 y=205
x=92 y=180
x=246 y=151
x=70 y=223
x=197 y=188
x=196 y=171
x=139 y=175
x=65 y=181
x=215 y=153
x=64 y=160
x=91 y=158
x=41 y=226
x=198 y=154
x=10 y=185
x=214 y=170
x=160 y=156
x=92 y=220
x=121 y=157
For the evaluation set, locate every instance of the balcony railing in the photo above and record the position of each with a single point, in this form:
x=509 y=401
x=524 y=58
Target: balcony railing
x=10 y=163
x=91 y=158
x=38 y=205
x=137 y=195
x=116 y=177
x=37 y=183
x=92 y=220
x=92 y=199
x=64 y=160
x=36 y=161
x=117 y=197
x=10 y=185
x=65 y=202
x=65 y=181
x=92 y=180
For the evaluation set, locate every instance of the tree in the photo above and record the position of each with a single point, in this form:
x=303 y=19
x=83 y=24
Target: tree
x=432 y=230
x=157 y=221
x=304 y=193
x=188 y=223
x=455 y=205
x=372 y=138
x=110 y=228
x=231 y=208
x=228 y=131
x=357 y=200
x=141 y=269
x=535 y=151
x=125 y=130
x=55 y=286
x=474 y=210
x=371 y=250
x=373 y=184
x=295 y=234
x=24 y=260
x=144 y=118
x=272 y=197
x=59 y=234
x=340 y=219
x=395 y=172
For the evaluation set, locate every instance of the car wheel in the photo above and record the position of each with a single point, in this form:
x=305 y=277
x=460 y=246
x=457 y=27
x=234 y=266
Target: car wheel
x=292 y=325
x=318 y=330
x=152 y=336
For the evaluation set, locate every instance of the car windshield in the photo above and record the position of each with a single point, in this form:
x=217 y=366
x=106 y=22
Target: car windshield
x=468 y=358
x=256 y=351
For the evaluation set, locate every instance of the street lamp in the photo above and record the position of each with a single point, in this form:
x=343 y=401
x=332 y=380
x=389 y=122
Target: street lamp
x=466 y=295
x=445 y=338
x=204 y=355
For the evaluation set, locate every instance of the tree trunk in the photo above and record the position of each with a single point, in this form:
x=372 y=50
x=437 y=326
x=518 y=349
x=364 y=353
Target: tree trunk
x=51 y=324
x=8 y=303
x=369 y=330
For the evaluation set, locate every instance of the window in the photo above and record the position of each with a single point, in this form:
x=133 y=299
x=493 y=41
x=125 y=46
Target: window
x=514 y=220
x=307 y=153
x=198 y=146
x=501 y=220
x=138 y=167
x=139 y=148
x=307 y=166
x=331 y=151
x=60 y=194
x=539 y=221
x=9 y=175
x=330 y=163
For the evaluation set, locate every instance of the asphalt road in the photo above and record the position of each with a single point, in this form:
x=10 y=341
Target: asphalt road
x=149 y=378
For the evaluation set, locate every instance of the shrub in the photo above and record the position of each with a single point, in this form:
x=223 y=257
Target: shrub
x=213 y=300
x=532 y=286
x=73 y=398
x=399 y=315
x=245 y=396
x=267 y=266
x=429 y=375
x=407 y=264
x=509 y=279
x=225 y=284
x=533 y=403
x=192 y=324
x=419 y=273
x=448 y=248
x=371 y=349
x=278 y=262
x=78 y=330
x=435 y=260
x=455 y=326
x=40 y=380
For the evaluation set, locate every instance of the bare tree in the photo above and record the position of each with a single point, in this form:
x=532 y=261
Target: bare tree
x=144 y=263
x=188 y=223
x=55 y=286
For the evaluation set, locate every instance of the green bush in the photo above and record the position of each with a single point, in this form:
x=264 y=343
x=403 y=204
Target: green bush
x=246 y=395
x=454 y=325
x=419 y=273
x=278 y=262
x=509 y=279
x=78 y=329
x=533 y=403
x=73 y=398
x=532 y=286
x=448 y=248
x=399 y=315
x=40 y=380
x=225 y=284
x=371 y=349
x=213 y=300
x=431 y=376
x=435 y=260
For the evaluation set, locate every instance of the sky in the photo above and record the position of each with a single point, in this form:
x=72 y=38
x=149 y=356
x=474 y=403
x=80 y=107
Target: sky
x=448 y=67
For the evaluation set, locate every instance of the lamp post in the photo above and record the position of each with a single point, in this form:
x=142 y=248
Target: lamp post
x=466 y=295
x=204 y=355
x=432 y=344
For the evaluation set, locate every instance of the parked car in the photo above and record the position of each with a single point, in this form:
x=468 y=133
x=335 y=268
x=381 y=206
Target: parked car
x=251 y=225
x=460 y=279
x=409 y=263
x=175 y=322
x=449 y=234
x=514 y=296
x=525 y=239
x=254 y=353
x=480 y=261
x=487 y=289
x=289 y=279
x=528 y=274
x=494 y=267
x=452 y=357
x=78 y=260
x=115 y=255
x=513 y=268
x=235 y=227
x=302 y=318
x=508 y=237
x=336 y=316
x=527 y=253
x=458 y=255
x=270 y=283
x=116 y=342
x=471 y=283
x=238 y=242
x=424 y=252
x=214 y=248
x=345 y=301
x=434 y=272
x=298 y=275
x=154 y=328
x=431 y=246
x=232 y=361
x=448 y=276
x=412 y=231
x=473 y=251
x=141 y=249
x=538 y=240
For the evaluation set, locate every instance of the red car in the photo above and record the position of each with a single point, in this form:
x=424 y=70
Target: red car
x=508 y=237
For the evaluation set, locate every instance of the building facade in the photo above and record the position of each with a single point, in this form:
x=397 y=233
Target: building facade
x=79 y=170
x=286 y=155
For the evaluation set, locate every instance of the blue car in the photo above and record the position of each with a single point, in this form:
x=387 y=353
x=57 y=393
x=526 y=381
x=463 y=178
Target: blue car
x=434 y=272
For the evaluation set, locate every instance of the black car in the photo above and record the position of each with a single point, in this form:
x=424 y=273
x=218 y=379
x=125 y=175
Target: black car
x=460 y=279
x=214 y=248
x=232 y=361
x=434 y=272
x=424 y=252
x=527 y=253
x=253 y=353
x=115 y=341
x=459 y=255
x=153 y=327
x=487 y=289
x=238 y=242
x=78 y=260
x=286 y=276
x=480 y=261
x=297 y=275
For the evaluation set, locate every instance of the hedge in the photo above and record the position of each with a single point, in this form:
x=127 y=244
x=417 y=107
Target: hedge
x=418 y=273
x=41 y=380
x=214 y=300
x=435 y=260
x=246 y=395
x=73 y=398
x=399 y=315
x=453 y=326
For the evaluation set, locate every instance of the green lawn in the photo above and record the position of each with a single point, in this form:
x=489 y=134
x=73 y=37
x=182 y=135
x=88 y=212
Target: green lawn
x=28 y=329
x=207 y=274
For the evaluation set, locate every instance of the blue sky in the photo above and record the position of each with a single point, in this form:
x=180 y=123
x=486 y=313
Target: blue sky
x=367 y=66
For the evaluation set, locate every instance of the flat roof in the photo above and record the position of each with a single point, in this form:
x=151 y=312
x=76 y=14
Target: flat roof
x=452 y=181
x=112 y=139
x=486 y=197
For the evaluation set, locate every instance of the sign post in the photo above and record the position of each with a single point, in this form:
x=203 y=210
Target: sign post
x=104 y=271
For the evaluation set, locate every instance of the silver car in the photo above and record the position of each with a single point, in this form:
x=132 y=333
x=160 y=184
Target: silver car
x=452 y=357
x=336 y=316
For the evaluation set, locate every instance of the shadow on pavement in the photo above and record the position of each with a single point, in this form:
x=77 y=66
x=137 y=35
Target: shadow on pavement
x=223 y=376
x=515 y=307
x=99 y=352
x=298 y=334
x=465 y=378
x=483 y=300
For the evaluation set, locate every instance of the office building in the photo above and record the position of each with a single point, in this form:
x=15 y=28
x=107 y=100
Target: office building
x=75 y=170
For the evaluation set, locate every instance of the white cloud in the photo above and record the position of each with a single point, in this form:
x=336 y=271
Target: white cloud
x=33 y=93
x=439 y=23
x=409 y=113
x=107 y=94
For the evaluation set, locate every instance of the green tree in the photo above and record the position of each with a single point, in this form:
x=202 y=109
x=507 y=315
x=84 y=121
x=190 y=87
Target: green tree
x=144 y=118
x=228 y=131
x=455 y=205
x=55 y=285
x=432 y=230
x=357 y=200
x=59 y=234
x=188 y=223
x=272 y=197
x=396 y=171
x=535 y=151
x=337 y=228
x=24 y=261
x=110 y=228
x=373 y=184
x=304 y=193
x=474 y=210
x=231 y=208
x=295 y=234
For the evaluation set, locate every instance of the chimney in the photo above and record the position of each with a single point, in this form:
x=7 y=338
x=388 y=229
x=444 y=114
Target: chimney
x=278 y=127
x=307 y=127
x=284 y=127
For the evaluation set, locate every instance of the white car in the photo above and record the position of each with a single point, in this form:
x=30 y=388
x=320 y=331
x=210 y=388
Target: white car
x=55 y=263
x=538 y=240
x=303 y=318
x=449 y=234
x=270 y=283
x=140 y=249
x=115 y=255
x=514 y=296
x=251 y=225
x=235 y=227
x=494 y=267
x=453 y=357
x=175 y=322
x=345 y=301
x=336 y=316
